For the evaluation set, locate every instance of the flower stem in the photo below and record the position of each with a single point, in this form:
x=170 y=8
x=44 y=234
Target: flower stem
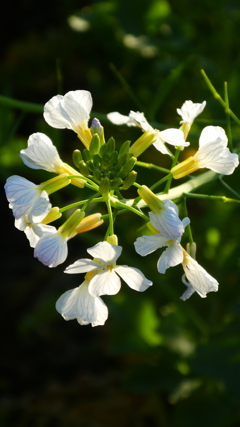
x=210 y=197
x=229 y=131
x=152 y=166
x=219 y=98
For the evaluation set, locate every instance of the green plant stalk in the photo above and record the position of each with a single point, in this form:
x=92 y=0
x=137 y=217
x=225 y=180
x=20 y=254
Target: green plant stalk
x=210 y=197
x=188 y=227
x=219 y=98
x=152 y=166
x=229 y=130
x=82 y=202
x=229 y=188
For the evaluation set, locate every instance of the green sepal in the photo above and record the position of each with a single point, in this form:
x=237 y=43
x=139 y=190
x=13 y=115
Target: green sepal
x=110 y=145
x=97 y=174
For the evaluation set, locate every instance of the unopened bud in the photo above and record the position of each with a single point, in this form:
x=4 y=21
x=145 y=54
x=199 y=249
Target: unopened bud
x=129 y=180
x=94 y=145
x=83 y=168
x=77 y=157
x=104 y=186
x=124 y=149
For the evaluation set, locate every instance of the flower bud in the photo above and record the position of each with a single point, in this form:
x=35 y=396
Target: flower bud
x=83 y=168
x=104 y=186
x=89 y=223
x=97 y=128
x=129 y=180
x=116 y=182
x=94 y=145
x=129 y=165
x=124 y=149
x=77 y=157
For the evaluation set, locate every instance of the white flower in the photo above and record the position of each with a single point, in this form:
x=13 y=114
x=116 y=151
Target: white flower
x=41 y=154
x=51 y=249
x=106 y=281
x=31 y=223
x=171 y=257
x=190 y=289
x=23 y=194
x=190 y=110
x=71 y=111
x=173 y=137
x=197 y=277
x=213 y=154
x=79 y=304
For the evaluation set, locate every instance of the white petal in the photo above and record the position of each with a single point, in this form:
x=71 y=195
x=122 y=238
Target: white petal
x=40 y=208
x=20 y=191
x=171 y=257
x=211 y=134
x=79 y=304
x=51 y=250
x=82 y=266
x=198 y=277
x=134 y=278
x=190 y=289
x=69 y=111
x=105 y=253
x=160 y=146
x=104 y=283
x=217 y=157
x=147 y=244
x=168 y=223
x=189 y=110
x=174 y=137
x=186 y=221
x=41 y=153
x=138 y=119
x=117 y=118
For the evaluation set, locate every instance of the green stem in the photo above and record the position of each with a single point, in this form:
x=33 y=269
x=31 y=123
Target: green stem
x=125 y=205
x=219 y=98
x=229 y=188
x=168 y=185
x=82 y=202
x=110 y=214
x=167 y=177
x=209 y=197
x=229 y=130
x=188 y=227
x=152 y=166
x=89 y=183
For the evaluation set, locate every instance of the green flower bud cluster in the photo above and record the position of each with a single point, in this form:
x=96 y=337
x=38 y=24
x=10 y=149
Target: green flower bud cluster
x=110 y=168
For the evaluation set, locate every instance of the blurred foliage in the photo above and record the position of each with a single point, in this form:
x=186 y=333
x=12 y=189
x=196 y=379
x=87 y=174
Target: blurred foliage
x=158 y=361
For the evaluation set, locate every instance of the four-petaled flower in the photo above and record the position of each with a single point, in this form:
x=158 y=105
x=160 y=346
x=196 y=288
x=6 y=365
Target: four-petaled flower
x=171 y=257
x=190 y=110
x=106 y=279
x=171 y=136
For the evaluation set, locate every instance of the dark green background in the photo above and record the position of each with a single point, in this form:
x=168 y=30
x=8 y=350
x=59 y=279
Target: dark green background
x=158 y=361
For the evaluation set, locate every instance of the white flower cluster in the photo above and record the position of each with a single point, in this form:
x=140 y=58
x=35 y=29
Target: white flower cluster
x=33 y=211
